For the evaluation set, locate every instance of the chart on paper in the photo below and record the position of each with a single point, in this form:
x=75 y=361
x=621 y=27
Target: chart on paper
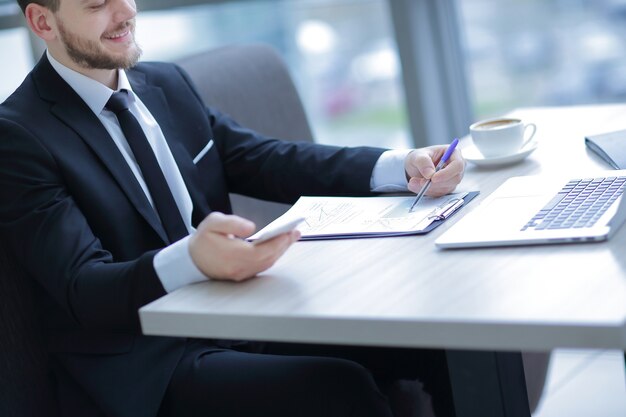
x=354 y=216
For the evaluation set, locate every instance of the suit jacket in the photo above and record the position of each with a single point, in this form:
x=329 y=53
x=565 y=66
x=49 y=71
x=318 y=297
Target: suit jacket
x=77 y=222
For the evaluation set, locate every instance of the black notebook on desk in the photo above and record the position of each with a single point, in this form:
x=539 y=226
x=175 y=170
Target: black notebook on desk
x=609 y=146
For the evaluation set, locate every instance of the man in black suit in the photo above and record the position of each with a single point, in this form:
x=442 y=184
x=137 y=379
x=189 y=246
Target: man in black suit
x=113 y=180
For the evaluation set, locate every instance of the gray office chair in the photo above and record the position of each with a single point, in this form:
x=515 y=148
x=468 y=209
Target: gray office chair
x=251 y=84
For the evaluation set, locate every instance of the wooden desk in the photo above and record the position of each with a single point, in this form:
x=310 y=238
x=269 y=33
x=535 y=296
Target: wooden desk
x=406 y=292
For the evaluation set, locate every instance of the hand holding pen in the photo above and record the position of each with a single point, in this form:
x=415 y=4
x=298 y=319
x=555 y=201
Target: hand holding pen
x=455 y=174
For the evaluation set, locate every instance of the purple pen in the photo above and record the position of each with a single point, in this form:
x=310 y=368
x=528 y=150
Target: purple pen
x=440 y=165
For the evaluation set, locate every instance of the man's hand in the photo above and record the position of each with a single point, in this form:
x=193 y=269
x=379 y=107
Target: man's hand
x=219 y=252
x=420 y=166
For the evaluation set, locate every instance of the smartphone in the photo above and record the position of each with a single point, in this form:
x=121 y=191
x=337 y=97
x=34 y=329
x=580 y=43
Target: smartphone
x=274 y=230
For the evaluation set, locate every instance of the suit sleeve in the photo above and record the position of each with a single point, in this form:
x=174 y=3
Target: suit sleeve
x=50 y=238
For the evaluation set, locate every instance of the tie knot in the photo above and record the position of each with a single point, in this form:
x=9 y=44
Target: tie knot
x=118 y=102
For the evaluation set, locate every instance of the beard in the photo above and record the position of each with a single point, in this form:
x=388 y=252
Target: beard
x=90 y=54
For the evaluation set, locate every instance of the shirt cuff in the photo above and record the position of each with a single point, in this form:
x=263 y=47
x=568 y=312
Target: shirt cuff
x=174 y=266
x=389 y=174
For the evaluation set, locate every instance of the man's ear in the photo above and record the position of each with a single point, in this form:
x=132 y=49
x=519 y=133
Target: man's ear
x=40 y=20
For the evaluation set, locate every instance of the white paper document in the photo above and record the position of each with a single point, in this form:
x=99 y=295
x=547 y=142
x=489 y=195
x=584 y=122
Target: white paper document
x=349 y=217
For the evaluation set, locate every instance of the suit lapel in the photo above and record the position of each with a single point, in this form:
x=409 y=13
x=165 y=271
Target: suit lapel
x=155 y=101
x=73 y=111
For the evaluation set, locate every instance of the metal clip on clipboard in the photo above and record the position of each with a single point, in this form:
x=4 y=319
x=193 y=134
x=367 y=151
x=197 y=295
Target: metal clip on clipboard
x=447 y=209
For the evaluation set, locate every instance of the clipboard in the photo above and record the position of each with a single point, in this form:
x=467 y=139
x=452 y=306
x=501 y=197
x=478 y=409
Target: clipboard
x=328 y=218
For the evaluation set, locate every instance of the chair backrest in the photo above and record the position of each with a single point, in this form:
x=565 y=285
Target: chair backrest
x=252 y=85
x=25 y=387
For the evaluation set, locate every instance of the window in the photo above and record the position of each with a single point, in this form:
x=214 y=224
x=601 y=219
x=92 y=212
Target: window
x=15 y=53
x=544 y=52
x=341 y=54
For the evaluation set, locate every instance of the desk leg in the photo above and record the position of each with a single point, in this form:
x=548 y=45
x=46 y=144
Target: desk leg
x=488 y=384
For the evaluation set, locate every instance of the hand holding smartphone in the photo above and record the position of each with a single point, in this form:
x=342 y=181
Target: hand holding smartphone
x=274 y=229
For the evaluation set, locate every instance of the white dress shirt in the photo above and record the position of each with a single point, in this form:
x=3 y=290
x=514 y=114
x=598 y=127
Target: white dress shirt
x=173 y=264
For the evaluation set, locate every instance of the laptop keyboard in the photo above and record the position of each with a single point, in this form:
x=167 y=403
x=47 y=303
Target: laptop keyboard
x=579 y=204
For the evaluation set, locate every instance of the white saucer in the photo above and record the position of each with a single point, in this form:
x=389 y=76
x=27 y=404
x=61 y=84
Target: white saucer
x=473 y=155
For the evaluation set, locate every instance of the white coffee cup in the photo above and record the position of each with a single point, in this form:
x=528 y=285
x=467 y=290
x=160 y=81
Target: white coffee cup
x=501 y=136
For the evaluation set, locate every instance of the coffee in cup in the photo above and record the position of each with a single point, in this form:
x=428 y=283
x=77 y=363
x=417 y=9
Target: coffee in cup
x=501 y=136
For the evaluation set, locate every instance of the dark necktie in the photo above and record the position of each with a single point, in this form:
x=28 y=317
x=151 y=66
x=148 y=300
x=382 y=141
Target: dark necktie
x=149 y=166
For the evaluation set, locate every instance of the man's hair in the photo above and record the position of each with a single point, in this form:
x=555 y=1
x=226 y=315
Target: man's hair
x=53 y=5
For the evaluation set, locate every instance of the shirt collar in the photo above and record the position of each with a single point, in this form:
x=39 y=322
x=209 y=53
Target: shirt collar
x=93 y=93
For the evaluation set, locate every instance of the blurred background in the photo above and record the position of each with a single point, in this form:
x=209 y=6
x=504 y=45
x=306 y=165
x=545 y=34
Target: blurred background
x=344 y=55
x=399 y=73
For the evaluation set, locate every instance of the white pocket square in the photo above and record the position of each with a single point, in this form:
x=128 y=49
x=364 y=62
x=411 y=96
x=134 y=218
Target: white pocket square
x=203 y=152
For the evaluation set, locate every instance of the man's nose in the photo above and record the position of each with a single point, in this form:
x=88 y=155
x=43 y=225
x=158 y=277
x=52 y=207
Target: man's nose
x=124 y=10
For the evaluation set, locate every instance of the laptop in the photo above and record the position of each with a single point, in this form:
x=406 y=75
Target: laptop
x=544 y=210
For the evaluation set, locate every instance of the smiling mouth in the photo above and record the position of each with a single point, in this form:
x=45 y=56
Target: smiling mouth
x=120 y=33
x=118 y=36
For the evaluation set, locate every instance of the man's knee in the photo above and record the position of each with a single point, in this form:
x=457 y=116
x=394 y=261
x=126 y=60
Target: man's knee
x=349 y=389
